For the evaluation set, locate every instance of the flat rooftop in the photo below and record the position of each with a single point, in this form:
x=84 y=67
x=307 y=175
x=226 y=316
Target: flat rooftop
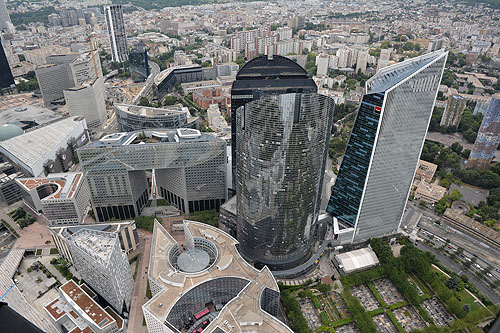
x=242 y=309
x=163 y=74
x=92 y=310
x=32 y=146
x=26 y=115
x=180 y=135
x=67 y=184
x=357 y=259
x=97 y=244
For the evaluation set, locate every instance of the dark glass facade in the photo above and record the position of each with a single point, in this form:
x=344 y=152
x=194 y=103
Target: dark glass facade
x=346 y=194
x=282 y=143
x=6 y=78
x=138 y=59
x=264 y=76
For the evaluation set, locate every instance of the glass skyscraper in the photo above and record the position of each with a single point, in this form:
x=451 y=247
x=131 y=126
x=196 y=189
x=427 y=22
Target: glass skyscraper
x=264 y=76
x=381 y=157
x=486 y=142
x=281 y=145
x=6 y=78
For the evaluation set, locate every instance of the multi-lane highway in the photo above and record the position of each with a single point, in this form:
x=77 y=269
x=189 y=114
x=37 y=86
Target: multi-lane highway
x=470 y=257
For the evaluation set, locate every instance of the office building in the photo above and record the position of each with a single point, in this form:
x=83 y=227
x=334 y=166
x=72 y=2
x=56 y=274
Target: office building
x=190 y=171
x=263 y=76
x=136 y=117
x=46 y=149
x=374 y=180
x=88 y=101
x=24 y=118
x=75 y=310
x=281 y=144
x=486 y=143
x=103 y=265
x=116 y=32
x=126 y=231
x=453 y=112
x=6 y=78
x=138 y=59
x=65 y=71
x=5 y=22
x=167 y=79
x=63 y=198
x=201 y=283
x=9 y=189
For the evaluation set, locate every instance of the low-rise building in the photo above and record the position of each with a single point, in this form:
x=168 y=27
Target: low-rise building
x=425 y=171
x=356 y=260
x=63 y=198
x=76 y=311
x=430 y=193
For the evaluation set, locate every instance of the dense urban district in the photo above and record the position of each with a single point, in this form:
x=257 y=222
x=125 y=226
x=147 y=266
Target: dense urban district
x=190 y=166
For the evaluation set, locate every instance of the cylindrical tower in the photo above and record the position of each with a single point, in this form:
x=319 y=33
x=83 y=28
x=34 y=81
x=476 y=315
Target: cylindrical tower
x=282 y=143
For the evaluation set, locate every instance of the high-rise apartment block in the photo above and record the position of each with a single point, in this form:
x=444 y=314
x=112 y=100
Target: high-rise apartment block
x=435 y=44
x=486 y=143
x=453 y=112
x=322 y=62
x=116 y=32
x=281 y=144
x=102 y=264
x=382 y=155
x=264 y=76
x=383 y=60
x=63 y=198
x=6 y=78
x=361 y=62
x=190 y=171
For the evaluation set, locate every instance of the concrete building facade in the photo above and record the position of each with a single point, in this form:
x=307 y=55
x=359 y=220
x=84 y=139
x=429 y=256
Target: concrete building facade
x=453 y=112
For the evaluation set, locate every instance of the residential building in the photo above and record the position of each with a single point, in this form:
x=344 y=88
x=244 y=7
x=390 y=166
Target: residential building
x=216 y=121
x=63 y=198
x=361 y=62
x=486 y=142
x=6 y=78
x=279 y=75
x=99 y=259
x=190 y=169
x=322 y=61
x=453 y=112
x=201 y=283
x=116 y=32
x=88 y=101
x=296 y=22
x=375 y=177
x=136 y=117
x=281 y=145
x=39 y=56
x=46 y=149
x=385 y=56
x=208 y=96
x=126 y=230
x=75 y=310
x=435 y=44
x=481 y=107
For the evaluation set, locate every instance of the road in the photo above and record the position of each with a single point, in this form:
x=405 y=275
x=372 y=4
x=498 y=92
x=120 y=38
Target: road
x=139 y=293
x=495 y=298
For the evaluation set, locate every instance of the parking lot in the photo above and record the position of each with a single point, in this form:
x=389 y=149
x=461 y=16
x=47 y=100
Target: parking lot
x=349 y=328
x=409 y=318
x=437 y=311
x=310 y=313
x=388 y=291
x=384 y=324
x=365 y=296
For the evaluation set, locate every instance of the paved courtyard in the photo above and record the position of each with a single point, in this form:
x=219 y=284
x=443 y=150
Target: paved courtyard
x=388 y=291
x=408 y=318
x=365 y=296
x=437 y=311
x=384 y=324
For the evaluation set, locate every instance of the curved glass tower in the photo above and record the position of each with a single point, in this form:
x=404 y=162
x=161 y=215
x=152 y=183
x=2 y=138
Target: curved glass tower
x=263 y=76
x=281 y=145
